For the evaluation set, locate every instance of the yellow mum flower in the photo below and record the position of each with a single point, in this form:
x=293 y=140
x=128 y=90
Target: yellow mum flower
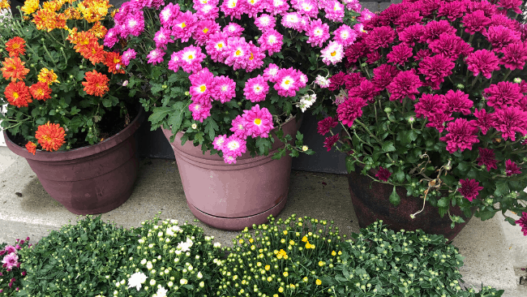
x=286 y=274
x=318 y=282
x=305 y=279
x=321 y=263
x=251 y=240
x=30 y=6
x=333 y=253
x=47 y=76
x=308 y=245
x=281 y=290
x=94 y=10
x=51 y=6
x=281 y=254
x=304 y=239
x=267 y=267
x=240 y=241
x=4 y=4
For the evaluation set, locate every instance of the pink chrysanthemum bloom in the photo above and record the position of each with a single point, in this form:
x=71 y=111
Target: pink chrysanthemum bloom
x=452 y=10
x=292 y=20
x=458 y=101
x=523 y=223
x=233 y=30
x=169 y=14
x=462 y=134
x=224 y=89
x=469 y=189
x=339 y=79
x=383 y=76
x=504 y=20
x=325 y=125
x=174 y=62
x=199 y=3
x=208 y=12
x=318 y=33
x=450 y=46
x=514 y=56
x=219 y=142
x=184 y=25
x=408 y=19
x=334 y=11
x=487 y=7
x=366 y=90
x=429 y=105
x=365 y=15
x=259 y=121
x=239 y=127
x=265 y=22
x=308 y=8
x=128 y=55
x=234 y=8
x=484 y=121
x=277 y=7
x=216 y=46
x=111 y=37
x=254 y=7
x=9 y=249
x=500 y=37
x=271 y=41
x=234 y=147
x=475 y=22
x=202 y=85
x=333 y=53
x=503 y=94
x=486 y=157
x=350 y=110
x=255 y=59
x=10 y=261
x=484 y=62
x=509 y=121
x=322 y=82
x=373 y=57
x=353 y=5
x=511 y=168
x=400 y=54
x=155 y=56
x=200 y=111
x=203 y=31
x=135 y=25
x=330 y=141
x=412 y=34
x=287 y=82
x=190 y=59
x=345 y=35
x=438 y=120
x=434 y=29
x=380 y=37
x=256 y=89
x=405 y=84
x=270 y=73
x=237 y=53
x=383 y=174
x=421 y=54
x=511 y=4
x=162 y=38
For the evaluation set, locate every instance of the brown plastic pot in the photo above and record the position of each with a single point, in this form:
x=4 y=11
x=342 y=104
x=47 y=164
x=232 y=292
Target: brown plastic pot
x=371 y=202
x=233 y=196
x=88 y=180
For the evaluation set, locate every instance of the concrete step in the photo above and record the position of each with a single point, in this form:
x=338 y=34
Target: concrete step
x=27 y=210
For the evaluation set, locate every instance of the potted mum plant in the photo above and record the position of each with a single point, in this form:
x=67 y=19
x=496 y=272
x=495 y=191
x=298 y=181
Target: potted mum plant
x=64 y=110
x=434 y=116
x=228 y=82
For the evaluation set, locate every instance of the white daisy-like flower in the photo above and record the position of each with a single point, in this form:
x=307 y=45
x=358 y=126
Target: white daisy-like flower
x=161 y=292
x=183 y=281
x=136 y=280
x=322 y=81
x=200 y=276
x=217 y=244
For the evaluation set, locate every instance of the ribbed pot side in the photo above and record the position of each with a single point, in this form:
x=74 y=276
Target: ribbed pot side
x=371 y=202
x=233 y=196
x=89 y=180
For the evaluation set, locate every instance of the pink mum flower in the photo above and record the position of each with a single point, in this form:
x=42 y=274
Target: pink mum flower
x=256 y=89
x=173 y=64
x=203 y=31
x=365 y=90
x=270 y=73
x=353 y=5
x=383 y=76
x=308 y=8
x=9 y=249
x=462 y=134
x=510 y=120
x=200 y=111
x=333 y=53
x=435 y=69
x=318 y=33
x=208 y=12
x=458 y=101
x=254 y=7
x=452 y=10
x=10 y=261
x=259 y=122
x=111 y=37
x=287 y=82
x=219 y=142
x=345 y=35
x=408 y=19
x=239 y=127
x=216 y=46
x=475 y=22
x=400 y=54
x=503 y=94
x=500 y=37
x=334 y=11
x=404 y=84
x=255 y=59
x=430 y=105
x=237 y=53
x=330 y=141
x=155 y=56
x=484 y=121
x=169 y=14
x=514 y=56
x=434 y=29
x=162 y=38
x=202 y=85
x=325 y=125
x=233 y=30
x=265 y=22
x=383 y=174
x=224 y=89
x=450 y=46
x=184 y=25
x=511 y=168
x=380 y=37
x=350 y=110
x=412 y=34
x=486 y=157
x=234 y=8
x=511 y=4
x=135 y=25
x=293 y=20
x=271 y=41
x=128 y=55
x=469 y=189
x=484 y=62
x=190 y=59
x=523 y=223
x=277 y=7
x=365 y=15
x=234 y=147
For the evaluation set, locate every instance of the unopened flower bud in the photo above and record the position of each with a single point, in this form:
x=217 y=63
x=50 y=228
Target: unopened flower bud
x=460 y=86
x=194 y=126
x=125 y=83
x=411 y=120
x=305 y=148
x=517 y=80
x=164 y=86
x=118 y=66
x=387 y=110
x=187 y=93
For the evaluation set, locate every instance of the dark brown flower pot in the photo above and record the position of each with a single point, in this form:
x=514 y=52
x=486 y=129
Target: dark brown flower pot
x=370 y=201
x=88 y=180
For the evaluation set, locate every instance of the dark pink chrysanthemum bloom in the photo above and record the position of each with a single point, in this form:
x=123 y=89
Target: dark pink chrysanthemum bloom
x=430 y=104
x=356 y=51
x=475 y=22
x=500 y=19
x=509 y=121
x=405 y=84
x=503 y=94
x=373 y=57
x=10 y=261
x=484 y=121
x=458 y=101
x=326 y=125
x=435 y=69
x=10 y=249
x=336 y=81
x=383 y=76
x=511 y=4
x=434 y=29
x=155 y=56
x=452 y=10
x=392 y=13
x=484 y=62
x=438 y=120
x=511 y=168
x=500 y=36
x=350 y=110
x=450 y=46
x=523 y=87
x=400 y=54
x=427 y=7
x=353 y=80
x=487 y=7
x=523 y=223
x=469 y=188
x=380 y=37
x=330 y=141
x=514 y=56
x=486 y=157
x=203 y=31
x=383 y=174
x=412 y=34
x=407 y=19
x=421 y=54
x=366 y=90
x=462 y=134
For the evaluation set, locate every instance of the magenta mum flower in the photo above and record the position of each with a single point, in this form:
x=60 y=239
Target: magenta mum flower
x=237 y=53
x=330 y=141
x=216 y=46
x=234 y=8
x=224 y=89
x=434 y=29
x=450 y=46
x=111 y=37
x=271 y=72
x=255 y=59
x=452 y=10
x=162 y=38
x=458 y=101
x=484 y=121
x=366 y=90
x=219 y=141
x=469 y=188
x=233 y=30
x=350 y=110
x=462 y=134
x=380 y=37
x=155 y=56
x=405 y=84
x=204 y=30
x=10 y=249
x=169 y=14
x=503 y=94
x=325 y=125
x=200 y=111
x=435 y=69
x=287 y=82
x=484 y=62
x=265 y=22
x=10 y=260
x=407 y=19
x=486 y=157
x=339 y=79
x=207 y=12
x=500 y=36
x=475 y=22
x=429 y=105
x=190 y=59
x=438 y=120
x=202 y=86
x=514 y=56
x=383 y=174
x=412 y=34
x=523 y=223
x=271 y=41
x=334 y=11
x=293 y=20
x=184 y=25
x=234 y=146
x=345 y=35
x=259 y=122
x=400 y=54
x=308 y=8
x=278 y=7
x=254 y=7
x=511 y=4
x=128 y=55
x=256 y=89
x=135 y=25
x=239 y=127
x=383 y=76
x=511 y=168
x=173 y=64
x=318 y=33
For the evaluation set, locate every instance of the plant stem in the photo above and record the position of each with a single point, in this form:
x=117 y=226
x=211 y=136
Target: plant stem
x=367 y=130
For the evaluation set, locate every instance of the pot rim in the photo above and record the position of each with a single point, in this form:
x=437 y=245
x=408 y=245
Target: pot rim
x=81 y=152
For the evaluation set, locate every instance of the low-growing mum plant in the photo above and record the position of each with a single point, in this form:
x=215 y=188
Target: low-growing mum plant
x=11 y=274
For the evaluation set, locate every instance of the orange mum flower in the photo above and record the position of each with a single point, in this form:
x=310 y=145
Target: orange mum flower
x=98 y=30
x=44 y=19
x=40 y=91
x=31 y=147
x=50 y=136
x=4 y=4
x=16 y=46
x=82 y=39
x=17 y=94
x=51 y=5
x=96 y=83
x=113 y=61
x=72 y=14
x=94 y=52
x=47 y=76
x=13 y=68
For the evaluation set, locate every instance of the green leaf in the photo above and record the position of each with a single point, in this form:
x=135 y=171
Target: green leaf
x=400 y=176
x=502 y=188
x=443 y=202
x=388 y=146
x=395 y=200
x=106 y=102
x=350 y=164
x=485 y=214
x=172 y=78
x=211 y=127
x=158 y=114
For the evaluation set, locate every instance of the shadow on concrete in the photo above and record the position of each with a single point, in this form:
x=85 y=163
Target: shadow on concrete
x=35 y=199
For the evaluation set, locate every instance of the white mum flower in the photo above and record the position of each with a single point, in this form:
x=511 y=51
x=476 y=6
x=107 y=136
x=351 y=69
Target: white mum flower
x=322 y=81
x=136 y=280
x=183 y=281
x=161 y=292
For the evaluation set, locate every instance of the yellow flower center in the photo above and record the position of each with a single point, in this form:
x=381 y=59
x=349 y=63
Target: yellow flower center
x=183 y=25
x=333 y=54
x=287 y=82
x=205 y=30
x=238 y=52
x=252 y=1
x=202 y=88
x=15 y=95
x=257 y=121
x=251 y=57
x=220 y=45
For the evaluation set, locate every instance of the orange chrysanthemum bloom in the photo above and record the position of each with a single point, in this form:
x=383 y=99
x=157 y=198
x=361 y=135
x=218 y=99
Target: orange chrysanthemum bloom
x=94 y=10
x=47 y=76
x=44 y=19
x=40 y=91
x=72 y=14
x=4 y=4
x=98 y=30
x=31 y=147
x=113 y=61
x=16 y=46
x=60 y=21
x=51 y=6
x=82 y=39
x=13 y=68
x=94 y=52
x=30 y=6
x=50 y=136
x=96 y=83
x=17 y=94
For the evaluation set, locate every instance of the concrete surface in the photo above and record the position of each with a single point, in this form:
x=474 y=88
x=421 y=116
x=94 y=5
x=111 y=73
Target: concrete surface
x=27 y=210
